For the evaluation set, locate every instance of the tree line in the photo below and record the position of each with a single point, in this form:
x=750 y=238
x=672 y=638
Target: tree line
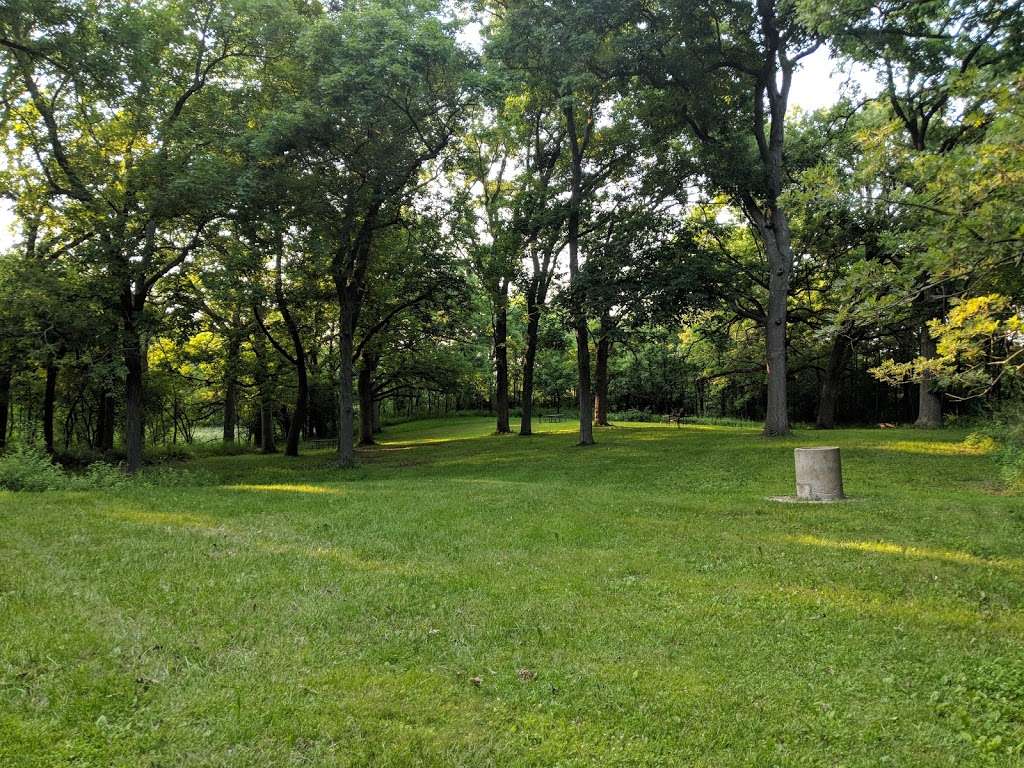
x=279 y=216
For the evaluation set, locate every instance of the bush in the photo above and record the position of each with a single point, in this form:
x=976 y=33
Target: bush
x=98 y=475
x=633 y=415
x=1011 y=465
x=27 y=468
x=1004 y=439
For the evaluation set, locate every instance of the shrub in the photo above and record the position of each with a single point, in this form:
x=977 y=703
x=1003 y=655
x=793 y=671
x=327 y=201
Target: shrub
x=167 y=476
x=98 y=475
x=633 y=415
x=1003 y=439
x=27 y=468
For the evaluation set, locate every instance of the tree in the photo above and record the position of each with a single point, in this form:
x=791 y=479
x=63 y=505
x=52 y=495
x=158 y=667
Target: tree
x=487 y=164
x=123 y=133
x=568 y=55
x=937 y=63
x=721 y=73
x=386 y=91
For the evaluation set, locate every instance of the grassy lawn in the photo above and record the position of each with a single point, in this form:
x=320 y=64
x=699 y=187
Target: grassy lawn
x=469 y=599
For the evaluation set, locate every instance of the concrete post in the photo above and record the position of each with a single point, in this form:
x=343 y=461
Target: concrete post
x=819 y=474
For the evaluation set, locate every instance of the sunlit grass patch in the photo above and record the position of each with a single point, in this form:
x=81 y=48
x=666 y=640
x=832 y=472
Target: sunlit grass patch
x=903 y=550
x=285 y=488
x=937 y=447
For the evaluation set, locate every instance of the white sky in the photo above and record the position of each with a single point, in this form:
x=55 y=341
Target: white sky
x=815 y=85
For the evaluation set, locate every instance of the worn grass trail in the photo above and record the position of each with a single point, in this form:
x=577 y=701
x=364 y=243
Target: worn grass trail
x=469 y=599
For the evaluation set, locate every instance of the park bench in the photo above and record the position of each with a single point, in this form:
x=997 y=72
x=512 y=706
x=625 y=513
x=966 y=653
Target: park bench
x=323 y=442
x=676 y=417
x=551 y=417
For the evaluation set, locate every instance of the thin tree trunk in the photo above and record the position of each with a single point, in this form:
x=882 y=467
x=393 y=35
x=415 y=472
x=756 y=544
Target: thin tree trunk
x=49 y=401
x=929 y=404
x=530 y=361
x=501 y=403
x=604 y=348
x=231 y=385
x=105 y=422
x=134 y=406
x=579 y=317
x=266 y=416
x=829 y=394
x=346 y=410
x=301 y=405
x=366 y=399
x=301 y=368
x=5 y=404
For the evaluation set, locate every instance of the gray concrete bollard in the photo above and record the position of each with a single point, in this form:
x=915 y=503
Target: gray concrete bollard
x=819 y=474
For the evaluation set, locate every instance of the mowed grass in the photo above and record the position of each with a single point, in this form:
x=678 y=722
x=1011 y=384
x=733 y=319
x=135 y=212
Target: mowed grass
x=466 y=599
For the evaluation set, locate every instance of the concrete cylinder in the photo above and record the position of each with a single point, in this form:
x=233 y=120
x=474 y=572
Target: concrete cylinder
x=819 y=474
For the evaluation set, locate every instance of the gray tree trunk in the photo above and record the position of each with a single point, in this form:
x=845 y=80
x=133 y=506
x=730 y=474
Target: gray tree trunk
x=49 y=404
x=5 y=404
x=529 y=364
x=366 y=399
x=134 y=421
x=266 y=416
x=231 y=385
x=501 y=404
x=929 y=409
x=579 y=318
x=773 y=228
x=346 y=409
x=604 y=348
x=829 y=394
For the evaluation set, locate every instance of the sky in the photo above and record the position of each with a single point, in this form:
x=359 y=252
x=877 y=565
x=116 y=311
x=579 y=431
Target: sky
x=816 y=84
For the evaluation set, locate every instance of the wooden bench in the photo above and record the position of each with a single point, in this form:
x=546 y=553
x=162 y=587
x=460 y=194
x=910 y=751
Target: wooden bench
x=551 y=417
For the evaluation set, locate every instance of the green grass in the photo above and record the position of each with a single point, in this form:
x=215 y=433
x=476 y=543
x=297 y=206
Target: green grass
x=668 y=614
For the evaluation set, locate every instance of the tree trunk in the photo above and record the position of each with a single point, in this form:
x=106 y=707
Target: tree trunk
x=5 y=404
x=134 y=426
x=501 y=404
x=774 y=230
x=231 y=386
x=49 y=401
x=266 y=415
x=366 y=400
x=377 y=428
x=291 y=447
x=346 y=411
x=577 y=310
x=929 y=409
x=604 y=348
x=298 y=422
x=105 y=422
x=826 y=418
x=530 y=361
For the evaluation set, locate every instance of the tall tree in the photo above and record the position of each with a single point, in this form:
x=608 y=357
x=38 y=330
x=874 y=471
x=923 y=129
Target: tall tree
x=722 y=73
x=386 y=91
x=568 y=54
x=123 y=133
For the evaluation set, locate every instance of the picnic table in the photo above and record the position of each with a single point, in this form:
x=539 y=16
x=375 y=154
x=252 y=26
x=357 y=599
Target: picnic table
x=551 y=417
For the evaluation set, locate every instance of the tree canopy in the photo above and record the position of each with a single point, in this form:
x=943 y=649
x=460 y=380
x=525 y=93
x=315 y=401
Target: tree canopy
x=292 y=221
